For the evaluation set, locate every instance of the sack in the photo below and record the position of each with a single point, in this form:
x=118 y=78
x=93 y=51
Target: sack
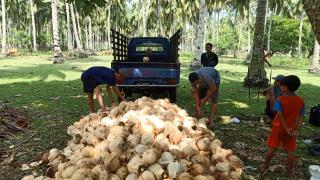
x=314 y=117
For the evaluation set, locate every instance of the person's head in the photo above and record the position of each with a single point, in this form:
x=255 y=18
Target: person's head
x=290 y=84
x=194 y=79
x=208 y=47
x=119 y=76
x=278 y=79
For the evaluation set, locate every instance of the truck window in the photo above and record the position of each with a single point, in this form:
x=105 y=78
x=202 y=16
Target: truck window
x=155 y=47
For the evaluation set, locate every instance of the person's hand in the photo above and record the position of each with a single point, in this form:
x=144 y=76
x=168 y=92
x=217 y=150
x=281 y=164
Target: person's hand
x=290 y=131
x=113 y=104
x=203 y=101
x=198 y=112
x=295 y=133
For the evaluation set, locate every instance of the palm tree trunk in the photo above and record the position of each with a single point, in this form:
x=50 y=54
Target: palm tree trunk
x=312 y=8
x=234 y=34
x=145 y=7
x=300 y=33
x=200 y=35
x=218 y=24
x=33 y=26
x=240 y=36
x=90 y=34
x=249 y=32
x=256 y=73
x=314 y=65
x=75 y=31
x=58 y=57
x=109 y=27
x=70 y=44
x=78 y=24
x=4 y=29
x=87 y=37
x=269 y=31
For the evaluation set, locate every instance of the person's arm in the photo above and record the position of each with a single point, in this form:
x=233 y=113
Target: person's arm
x=278 y=108
x=300 y=120
x=110 y=94
x=216 y=59
x=210 y=93
x=195 y=95
x=202 y=58
x=272 y=98
x=118 y=93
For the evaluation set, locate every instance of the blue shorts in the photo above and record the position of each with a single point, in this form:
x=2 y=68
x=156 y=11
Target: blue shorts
x=89 y=85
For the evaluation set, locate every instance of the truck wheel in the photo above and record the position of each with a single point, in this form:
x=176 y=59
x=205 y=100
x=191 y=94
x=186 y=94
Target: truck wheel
x=173 y=94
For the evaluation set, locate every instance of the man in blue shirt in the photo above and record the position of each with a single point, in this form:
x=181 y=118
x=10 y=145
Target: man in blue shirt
x=93 y=77
x=205 y=85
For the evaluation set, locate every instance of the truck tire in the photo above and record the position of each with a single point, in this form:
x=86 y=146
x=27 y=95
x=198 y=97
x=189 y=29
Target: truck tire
x=172 y=94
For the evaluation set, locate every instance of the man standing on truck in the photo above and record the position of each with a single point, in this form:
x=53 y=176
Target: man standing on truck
x=205 y=86
x=93 y=77
x=209 y=58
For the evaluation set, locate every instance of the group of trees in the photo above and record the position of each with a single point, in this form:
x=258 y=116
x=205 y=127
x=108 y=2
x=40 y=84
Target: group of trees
x=70 y=24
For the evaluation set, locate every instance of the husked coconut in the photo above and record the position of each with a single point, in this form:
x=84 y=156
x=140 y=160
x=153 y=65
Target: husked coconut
x=112 y=163
x=157 y=170
x=147 y=175
x=185 y=176
x=114 y=177
x=140 y=149
x=166 y=158
x=53 y=154
x=82 y=173
x=204 y=161
x=98 y=170
x=196 y=169
x=203 y=144
x=69 y=171
x=174 y=168
x=147 y=139
x=134 y=164
x=161 y=142
x=200 y=177
x=133 y=140
x=30 y=177
x=235 y=162
x=132 y=177
x=122 y=172
x=149 y=156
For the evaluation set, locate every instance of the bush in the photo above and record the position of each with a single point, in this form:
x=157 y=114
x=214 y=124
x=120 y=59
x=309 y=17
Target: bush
x=285 y=35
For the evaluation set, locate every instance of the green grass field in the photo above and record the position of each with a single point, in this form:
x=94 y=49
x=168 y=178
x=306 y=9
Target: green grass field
x=53 y=96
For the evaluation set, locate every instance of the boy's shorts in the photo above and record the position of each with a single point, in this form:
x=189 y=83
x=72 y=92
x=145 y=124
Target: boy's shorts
x=203 y=90
x=88 y=85
x=280 y=137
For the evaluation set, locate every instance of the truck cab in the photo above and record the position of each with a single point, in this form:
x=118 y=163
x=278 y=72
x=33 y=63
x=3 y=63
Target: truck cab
x=150 y=64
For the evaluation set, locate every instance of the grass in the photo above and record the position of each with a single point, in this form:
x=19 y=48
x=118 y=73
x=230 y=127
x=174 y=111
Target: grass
x=33 y=82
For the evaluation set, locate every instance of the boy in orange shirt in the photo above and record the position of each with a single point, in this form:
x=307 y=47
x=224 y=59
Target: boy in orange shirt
x=287 y=123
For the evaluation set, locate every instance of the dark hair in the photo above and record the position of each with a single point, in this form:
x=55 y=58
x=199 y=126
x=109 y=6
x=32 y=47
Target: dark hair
x=292 y=82
x=116 y=70
x=193 y=77
x=210 y=44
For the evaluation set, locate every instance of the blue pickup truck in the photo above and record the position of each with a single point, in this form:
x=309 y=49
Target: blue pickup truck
x=150 y=64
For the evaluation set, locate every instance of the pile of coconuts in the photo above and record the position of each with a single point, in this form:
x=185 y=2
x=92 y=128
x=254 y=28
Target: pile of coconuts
x=144 y=139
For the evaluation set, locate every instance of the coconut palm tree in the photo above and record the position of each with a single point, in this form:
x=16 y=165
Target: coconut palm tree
x=75 y=29
x=34 y=38
x=314 y=64
x=58 y=57
x=4 y=29
x=200 y=35
x=312 y=8
x=69 y=37
x=256 y=73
